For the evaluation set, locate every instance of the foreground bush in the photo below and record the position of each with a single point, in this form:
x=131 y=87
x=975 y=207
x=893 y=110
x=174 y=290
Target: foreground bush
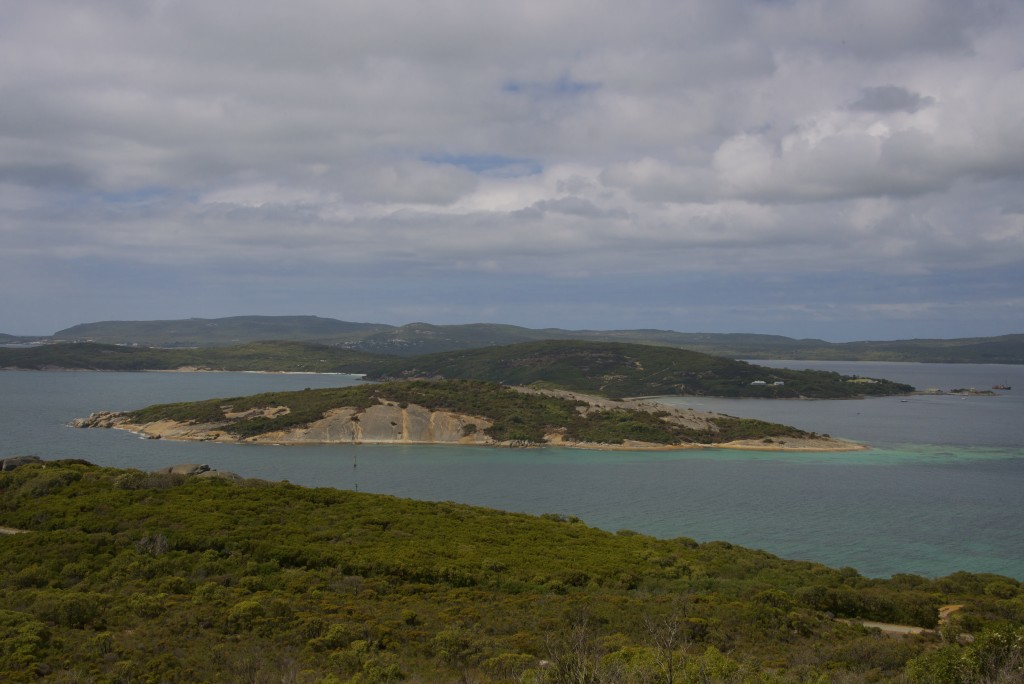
x=122 y=576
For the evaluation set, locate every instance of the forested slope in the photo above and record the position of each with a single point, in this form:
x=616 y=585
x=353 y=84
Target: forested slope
x=130 y=576
x=631 y=370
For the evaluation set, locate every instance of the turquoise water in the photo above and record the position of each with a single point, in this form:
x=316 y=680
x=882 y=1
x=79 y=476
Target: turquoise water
x=941 y=490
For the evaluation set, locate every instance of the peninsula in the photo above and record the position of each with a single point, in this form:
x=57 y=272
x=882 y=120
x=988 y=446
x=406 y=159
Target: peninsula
x=455 y=412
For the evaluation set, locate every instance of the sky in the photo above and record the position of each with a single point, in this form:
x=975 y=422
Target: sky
x=838 y=169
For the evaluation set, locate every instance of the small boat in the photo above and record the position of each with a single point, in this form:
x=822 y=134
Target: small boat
x=1001 y=387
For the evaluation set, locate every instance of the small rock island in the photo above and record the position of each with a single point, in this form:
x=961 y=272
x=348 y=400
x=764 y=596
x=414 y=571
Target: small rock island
x=455 y=412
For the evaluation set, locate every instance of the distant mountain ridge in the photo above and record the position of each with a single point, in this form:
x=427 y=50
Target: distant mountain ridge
x=205 y=332
x=423 y=338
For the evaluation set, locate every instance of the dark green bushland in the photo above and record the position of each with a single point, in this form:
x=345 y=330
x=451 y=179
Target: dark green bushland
x=629 y=370
x=128 y=576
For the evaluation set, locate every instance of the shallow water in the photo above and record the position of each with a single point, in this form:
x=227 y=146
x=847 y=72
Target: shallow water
x=941 y=491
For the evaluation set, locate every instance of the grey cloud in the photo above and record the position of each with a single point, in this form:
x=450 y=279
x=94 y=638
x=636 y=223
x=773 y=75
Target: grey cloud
x=59 y=176
x=571 y=136
x=408 y=182
x=878 y=30
x=890 y=98
x=576 y=206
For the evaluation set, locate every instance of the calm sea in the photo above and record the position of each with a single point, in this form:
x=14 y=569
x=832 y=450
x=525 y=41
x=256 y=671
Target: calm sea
x=941 y=490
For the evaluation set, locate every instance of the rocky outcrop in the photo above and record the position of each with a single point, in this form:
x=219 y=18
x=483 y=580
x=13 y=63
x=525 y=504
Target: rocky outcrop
x=388 y=423
x=184 y=469
x=11 y=462
x=101 y=419
x=198 y=470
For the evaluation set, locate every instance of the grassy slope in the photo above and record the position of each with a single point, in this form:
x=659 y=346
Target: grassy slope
x=127 y=576
x=620 y=370
x=515 y=416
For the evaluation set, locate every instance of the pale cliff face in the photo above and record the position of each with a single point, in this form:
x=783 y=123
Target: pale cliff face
x=388 y=424
x=381 y=424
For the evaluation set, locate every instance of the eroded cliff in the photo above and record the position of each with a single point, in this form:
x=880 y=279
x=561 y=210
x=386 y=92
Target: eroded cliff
x=388 y=423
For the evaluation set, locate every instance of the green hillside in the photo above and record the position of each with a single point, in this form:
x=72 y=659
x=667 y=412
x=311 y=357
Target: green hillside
x=15 y=339
x=623 y=370
x=1002 y=349
x=124 y=576
x=611 y=369
x=255 y=356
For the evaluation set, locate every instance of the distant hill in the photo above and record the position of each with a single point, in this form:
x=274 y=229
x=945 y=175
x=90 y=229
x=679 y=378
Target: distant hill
x=16 y=339
x=424 y=338
x=629 y=370
x=205 y=332
x=1002 y=349
x=255 y=356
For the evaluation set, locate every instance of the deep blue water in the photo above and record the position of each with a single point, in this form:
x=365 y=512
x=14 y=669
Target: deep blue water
x=941 y=490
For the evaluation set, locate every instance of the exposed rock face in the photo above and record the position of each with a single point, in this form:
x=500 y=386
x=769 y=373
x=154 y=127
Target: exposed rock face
x=198 y=470
x=100 y=419
x=12 y=462
x=184 y=469
x=388 y=424
x=380 y=424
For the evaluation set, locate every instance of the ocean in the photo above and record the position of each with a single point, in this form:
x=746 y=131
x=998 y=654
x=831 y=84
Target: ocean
x=940 y=490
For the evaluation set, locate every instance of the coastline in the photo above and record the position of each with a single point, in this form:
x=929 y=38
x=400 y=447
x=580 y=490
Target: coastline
x=808 y=445
x=196 y=369
x=174 y=432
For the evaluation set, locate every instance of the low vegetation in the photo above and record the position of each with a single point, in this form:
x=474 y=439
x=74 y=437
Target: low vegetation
x=631 y=370
x=126 y=576
x=515 y=416
x=255 y=356
x=611 y=369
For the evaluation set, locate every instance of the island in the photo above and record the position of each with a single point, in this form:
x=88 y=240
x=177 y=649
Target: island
x=468 y=412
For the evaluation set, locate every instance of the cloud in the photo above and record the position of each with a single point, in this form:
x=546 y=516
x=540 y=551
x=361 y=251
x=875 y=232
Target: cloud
x=540 y=140
x=890 y=98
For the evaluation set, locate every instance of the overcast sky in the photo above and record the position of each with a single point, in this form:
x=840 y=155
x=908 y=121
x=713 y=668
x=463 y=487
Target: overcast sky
x=842 y=169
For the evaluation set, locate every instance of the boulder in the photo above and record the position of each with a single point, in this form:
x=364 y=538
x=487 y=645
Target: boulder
x=12 y=462
x=100 y=419
x=185 y=469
